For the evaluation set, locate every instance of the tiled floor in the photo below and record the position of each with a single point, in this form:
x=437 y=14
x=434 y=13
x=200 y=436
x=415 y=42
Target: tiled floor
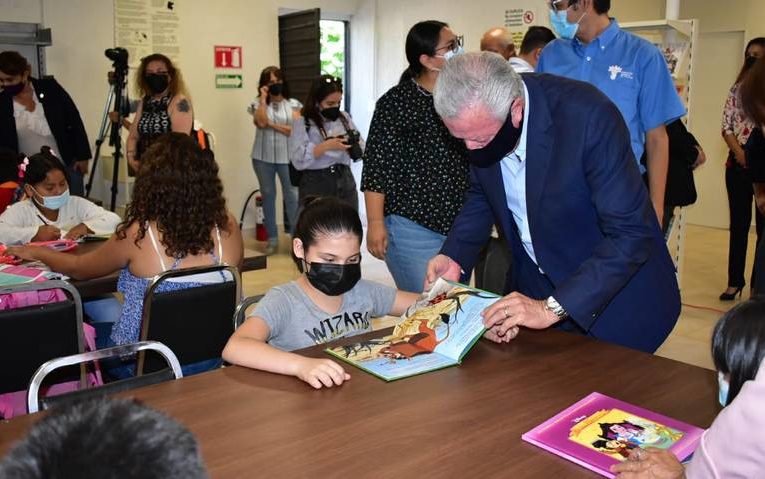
x=704 y=278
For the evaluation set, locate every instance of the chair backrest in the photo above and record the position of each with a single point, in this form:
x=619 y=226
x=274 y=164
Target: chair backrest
x=194 y=322
x=34 y=403
x=241 y=310
x=33 y=335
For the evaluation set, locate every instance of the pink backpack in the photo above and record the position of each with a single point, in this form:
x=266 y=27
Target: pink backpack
x=15 y=403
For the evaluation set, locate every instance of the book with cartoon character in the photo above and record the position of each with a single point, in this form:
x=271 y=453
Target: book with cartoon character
x=599 y=431
x=434 y=333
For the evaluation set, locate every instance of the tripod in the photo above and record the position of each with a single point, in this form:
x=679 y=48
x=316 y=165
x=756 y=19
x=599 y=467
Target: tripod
x=117 y=84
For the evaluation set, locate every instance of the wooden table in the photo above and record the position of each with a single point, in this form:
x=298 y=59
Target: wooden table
x=464 y=421
x=108 y=284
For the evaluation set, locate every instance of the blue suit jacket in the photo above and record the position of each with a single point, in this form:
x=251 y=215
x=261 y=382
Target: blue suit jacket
x=594 y=231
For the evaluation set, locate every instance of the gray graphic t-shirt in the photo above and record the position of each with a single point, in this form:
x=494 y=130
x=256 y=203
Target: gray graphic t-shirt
x=296 y=322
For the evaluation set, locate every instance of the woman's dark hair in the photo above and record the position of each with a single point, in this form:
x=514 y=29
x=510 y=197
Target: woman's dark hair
x=752 y=92
x=322 y=216
x=422 y=39
x=177 y=187
x=265 y=79
x=175 y=86
x=758 y=41
x=738 y=343
x=321 y=88
x=40 y=165
x=13 y=63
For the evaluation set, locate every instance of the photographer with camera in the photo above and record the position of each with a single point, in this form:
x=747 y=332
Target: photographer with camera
x=165 y=106
x=323 y=143
x=38 y=112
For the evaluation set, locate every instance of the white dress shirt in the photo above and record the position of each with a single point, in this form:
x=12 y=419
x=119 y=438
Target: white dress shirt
x=520 y=65
x=513 y=168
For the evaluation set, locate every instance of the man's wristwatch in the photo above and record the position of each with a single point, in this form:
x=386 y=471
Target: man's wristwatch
x=551 y=304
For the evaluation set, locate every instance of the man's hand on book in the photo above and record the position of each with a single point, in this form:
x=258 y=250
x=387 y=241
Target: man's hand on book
x=441 y=266
x=321 y=372
x=495 y=335
x=516 y=310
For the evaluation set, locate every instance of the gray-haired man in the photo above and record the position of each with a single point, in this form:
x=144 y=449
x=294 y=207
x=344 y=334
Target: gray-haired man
x=551 y=164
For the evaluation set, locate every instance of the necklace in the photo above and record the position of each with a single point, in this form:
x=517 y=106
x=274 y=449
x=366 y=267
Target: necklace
x=420 y=88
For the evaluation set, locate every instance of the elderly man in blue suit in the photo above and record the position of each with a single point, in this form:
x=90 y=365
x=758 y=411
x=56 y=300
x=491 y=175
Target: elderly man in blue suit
x=552 y=165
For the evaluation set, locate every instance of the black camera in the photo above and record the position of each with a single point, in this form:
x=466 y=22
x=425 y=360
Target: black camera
x=352 y=138
x=119 y=56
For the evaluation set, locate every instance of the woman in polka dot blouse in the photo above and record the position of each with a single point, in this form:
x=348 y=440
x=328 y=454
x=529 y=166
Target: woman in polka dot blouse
x=415 y=173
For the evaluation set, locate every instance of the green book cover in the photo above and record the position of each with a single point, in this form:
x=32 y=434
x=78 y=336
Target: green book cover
x=436 y=333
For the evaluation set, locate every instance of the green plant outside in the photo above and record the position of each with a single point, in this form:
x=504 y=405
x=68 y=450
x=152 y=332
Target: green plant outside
x=333 y=48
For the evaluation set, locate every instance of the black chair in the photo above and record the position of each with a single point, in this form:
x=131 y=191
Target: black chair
x=195 y=322
x=35 y=334
x=35 y=403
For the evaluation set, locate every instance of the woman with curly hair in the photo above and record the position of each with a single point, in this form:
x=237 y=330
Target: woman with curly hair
x=178 y=219
x=165 y=106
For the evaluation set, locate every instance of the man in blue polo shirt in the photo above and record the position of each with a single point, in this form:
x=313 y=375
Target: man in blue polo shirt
x=628 y=69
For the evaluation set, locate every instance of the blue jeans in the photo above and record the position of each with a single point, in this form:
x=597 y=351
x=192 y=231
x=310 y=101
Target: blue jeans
x=266 y=173
x=103 y=313
x=410 y=247
x=124 y=369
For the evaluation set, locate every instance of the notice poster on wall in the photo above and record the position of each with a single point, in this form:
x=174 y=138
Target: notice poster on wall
x=518 y=21
x=144 y=27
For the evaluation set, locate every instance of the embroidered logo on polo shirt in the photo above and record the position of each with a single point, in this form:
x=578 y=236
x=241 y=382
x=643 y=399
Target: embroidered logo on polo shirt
x=618 y=72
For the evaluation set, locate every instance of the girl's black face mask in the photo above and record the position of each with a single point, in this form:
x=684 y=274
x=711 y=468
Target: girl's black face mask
x=503 y=143
x=333 y=279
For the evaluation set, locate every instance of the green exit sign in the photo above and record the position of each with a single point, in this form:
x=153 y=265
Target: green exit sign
x=228 y=81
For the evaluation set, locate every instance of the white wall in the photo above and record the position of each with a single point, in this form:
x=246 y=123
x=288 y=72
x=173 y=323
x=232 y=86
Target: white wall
x=82 y=29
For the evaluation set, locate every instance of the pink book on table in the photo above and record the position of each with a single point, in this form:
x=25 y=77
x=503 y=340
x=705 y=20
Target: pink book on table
x=599 y=431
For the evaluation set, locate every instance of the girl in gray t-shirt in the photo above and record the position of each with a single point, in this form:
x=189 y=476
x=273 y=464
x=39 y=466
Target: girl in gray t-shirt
x=327 y=302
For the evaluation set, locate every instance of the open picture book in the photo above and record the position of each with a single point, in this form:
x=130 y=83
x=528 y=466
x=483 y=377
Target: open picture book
x=435 y=333
x=599 y=431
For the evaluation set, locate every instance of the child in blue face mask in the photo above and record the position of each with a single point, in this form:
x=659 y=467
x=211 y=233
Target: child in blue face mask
x=733 y=445
x=49 y=212
x=738 y=347
x=328 y=301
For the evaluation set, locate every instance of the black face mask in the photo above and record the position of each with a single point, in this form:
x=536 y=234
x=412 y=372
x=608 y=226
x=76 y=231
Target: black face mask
x=503 y=143
x=749 y=62
x=331 y=114
x=157 y=83
x=276 y=89
x=333 y=279
x=15 y=89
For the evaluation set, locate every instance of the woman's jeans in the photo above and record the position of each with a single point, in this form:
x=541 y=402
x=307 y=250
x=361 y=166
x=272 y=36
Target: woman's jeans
x=410 y=247
x=266 y=173
x=124 y=368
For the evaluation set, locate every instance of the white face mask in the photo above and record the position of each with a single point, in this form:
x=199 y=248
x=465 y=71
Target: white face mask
x=724 y=386
x=52 y=202
x=452 y=53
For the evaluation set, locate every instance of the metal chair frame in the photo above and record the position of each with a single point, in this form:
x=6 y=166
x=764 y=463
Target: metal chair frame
x=33 y=400
x=69 y=289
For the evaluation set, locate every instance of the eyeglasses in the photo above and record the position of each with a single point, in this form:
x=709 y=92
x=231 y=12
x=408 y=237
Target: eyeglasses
x=560 y=5
x=453 y=45
x=335 y=80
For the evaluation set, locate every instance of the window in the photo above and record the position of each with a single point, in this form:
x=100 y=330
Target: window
x=334 y=54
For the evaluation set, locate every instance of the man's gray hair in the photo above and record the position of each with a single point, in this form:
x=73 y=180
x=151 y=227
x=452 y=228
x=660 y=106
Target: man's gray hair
x=473 y=79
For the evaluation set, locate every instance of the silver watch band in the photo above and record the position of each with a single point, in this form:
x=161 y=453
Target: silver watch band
x=551 y=304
